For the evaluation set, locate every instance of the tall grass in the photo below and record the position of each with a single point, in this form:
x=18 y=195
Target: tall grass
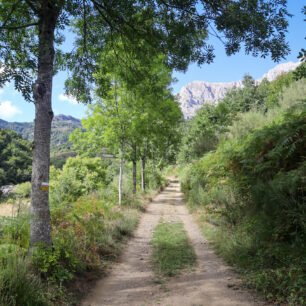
x=18 y=285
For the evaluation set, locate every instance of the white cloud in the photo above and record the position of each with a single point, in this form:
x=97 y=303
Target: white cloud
x=67 y=98
x=1 y=91
x=8 y=110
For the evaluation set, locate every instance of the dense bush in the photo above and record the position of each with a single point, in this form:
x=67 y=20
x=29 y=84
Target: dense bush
x=277 y=87
x=250 y=96
x=79 y=176
x=252 y=187
x=23 y=190
x=59 y=158
x=201 y=133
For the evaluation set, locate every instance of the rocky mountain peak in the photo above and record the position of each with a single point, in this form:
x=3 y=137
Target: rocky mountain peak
x=273 y=73
x=192 y=96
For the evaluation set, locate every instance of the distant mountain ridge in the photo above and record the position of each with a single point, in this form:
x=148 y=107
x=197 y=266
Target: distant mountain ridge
x=62 y=126
x=192 y=96
x=62 y=117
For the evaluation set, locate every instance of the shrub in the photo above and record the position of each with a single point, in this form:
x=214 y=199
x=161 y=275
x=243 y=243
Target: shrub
x=79 y=176
x=56 y=263
x=91 y=227
x=277 y=87
x=155 y=180
x=23 y=190
x=246 y=123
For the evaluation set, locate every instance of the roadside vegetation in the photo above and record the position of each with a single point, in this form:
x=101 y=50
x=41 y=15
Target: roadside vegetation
x=244 y=177
x=172 y=252
x=89 y=229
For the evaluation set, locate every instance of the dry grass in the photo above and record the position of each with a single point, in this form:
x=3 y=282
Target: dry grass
x=12 y=208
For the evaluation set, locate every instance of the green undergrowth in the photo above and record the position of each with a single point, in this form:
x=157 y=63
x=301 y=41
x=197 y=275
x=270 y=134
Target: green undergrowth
x=89 y=230
x=251 y=190
x=17 y=285
x=87 y=235
x=172 y=251
x=275 y=269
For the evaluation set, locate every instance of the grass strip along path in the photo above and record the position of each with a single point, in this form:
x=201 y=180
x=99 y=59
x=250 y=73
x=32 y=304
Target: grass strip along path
x=172 y=251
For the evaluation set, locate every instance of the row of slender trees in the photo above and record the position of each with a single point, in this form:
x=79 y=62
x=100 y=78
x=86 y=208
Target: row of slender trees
x=135 y=118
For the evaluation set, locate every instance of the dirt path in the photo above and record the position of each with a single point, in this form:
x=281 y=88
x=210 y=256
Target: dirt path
x=132 y=282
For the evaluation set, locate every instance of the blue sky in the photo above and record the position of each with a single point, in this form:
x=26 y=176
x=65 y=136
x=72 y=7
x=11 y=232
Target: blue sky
x=224 y=69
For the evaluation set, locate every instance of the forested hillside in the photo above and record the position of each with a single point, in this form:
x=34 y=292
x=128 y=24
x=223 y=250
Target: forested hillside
x=15 y=158
x=242 y=167
x=62 y=126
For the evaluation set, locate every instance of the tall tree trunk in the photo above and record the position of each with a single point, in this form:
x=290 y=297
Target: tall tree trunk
x=42 y=91
x=143 y=172
x=120 y=173
x=134 y=169
x=154 y=165
x=143 y=167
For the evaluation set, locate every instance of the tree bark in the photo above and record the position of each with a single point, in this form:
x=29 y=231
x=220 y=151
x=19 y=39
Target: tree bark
x=154 y=165
x=143 y=173
x=120 y=173
x=143 y=167
x=42 y=92
x=134 y=169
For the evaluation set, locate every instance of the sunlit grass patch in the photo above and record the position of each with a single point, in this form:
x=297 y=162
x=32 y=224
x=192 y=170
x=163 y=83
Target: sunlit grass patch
x=172 y=251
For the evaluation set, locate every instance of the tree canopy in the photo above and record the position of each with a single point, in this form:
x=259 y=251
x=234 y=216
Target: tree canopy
x=179 y=29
